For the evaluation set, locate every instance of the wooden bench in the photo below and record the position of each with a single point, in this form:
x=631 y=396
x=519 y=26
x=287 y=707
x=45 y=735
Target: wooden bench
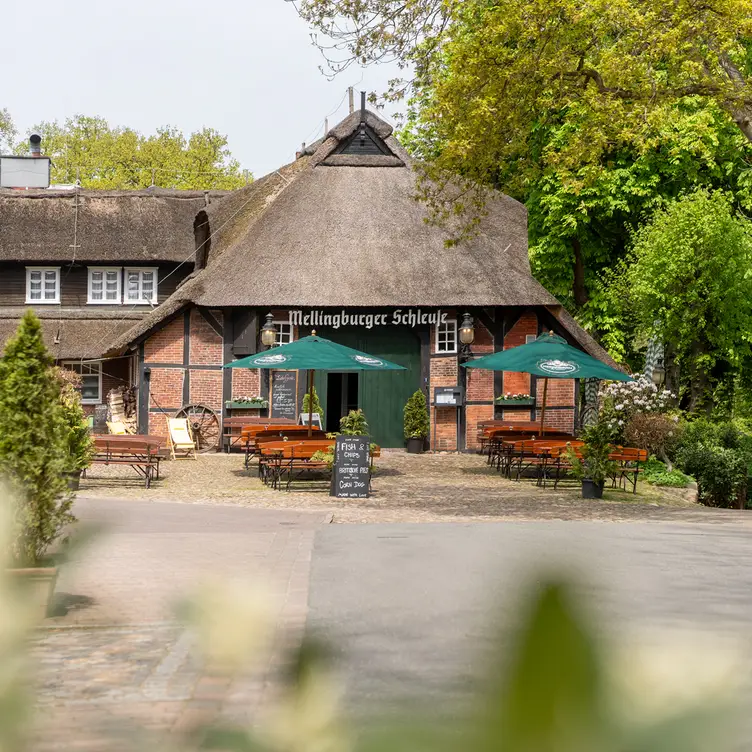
x=140 y=453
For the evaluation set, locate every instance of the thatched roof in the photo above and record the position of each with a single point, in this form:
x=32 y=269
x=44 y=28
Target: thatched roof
x=79 y=333
x=137 y=226
x=345 y=229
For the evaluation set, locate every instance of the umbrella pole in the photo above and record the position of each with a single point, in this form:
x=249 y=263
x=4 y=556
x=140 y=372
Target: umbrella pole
x=310 y=403
x=543 y=406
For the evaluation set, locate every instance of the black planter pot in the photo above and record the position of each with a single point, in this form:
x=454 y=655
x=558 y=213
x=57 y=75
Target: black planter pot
x=74 y=480
x=415 y=446
x=591 y=490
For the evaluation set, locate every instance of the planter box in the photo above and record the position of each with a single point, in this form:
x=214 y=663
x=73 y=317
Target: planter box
x=246 y=405
x=415 y=446
x=40 y=582
x=515 y=403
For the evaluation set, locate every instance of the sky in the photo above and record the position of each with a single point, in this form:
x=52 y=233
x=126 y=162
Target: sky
x=244 y=67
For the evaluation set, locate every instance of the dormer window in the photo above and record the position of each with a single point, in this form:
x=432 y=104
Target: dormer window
x=141 y=285
x=104 y=285
x=42 y=285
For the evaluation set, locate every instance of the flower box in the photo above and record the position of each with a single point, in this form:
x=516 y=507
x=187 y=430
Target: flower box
x=515 y=402
x=260 y=405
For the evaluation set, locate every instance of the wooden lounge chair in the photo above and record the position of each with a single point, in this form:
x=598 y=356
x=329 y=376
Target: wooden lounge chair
x=182 y=445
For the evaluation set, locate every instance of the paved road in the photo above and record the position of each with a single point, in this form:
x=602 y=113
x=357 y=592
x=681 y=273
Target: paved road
x=114 y=653
x=413 y=609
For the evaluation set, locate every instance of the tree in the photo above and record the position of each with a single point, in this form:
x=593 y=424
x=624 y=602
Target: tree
x=689 y=279
x=496 y=70
x=102 y=156
x=7 y=131
x=33 y=442
x=592 y=112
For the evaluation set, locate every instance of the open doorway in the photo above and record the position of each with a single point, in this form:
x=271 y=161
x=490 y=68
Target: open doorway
x=341 y=397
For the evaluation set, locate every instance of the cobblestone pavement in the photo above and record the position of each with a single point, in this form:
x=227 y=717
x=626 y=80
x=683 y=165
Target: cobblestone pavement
x=407 y=488
x=113 y=659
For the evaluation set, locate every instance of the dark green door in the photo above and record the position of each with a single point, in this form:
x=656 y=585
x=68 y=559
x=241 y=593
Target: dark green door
x=381 y=396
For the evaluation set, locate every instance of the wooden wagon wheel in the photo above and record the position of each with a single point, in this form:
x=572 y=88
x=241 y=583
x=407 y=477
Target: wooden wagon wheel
x=204 y=423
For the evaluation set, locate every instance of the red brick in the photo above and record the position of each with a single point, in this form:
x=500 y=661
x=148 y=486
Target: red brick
x=166 y=344
x=206 y=344
x=206 y=388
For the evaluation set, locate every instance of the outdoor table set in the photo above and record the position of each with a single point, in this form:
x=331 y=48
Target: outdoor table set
x=549 y=458
x=140 y=452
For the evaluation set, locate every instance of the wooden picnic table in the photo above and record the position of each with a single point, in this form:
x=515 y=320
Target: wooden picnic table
x=232 y=428
x=141 y=452
x=252 y=436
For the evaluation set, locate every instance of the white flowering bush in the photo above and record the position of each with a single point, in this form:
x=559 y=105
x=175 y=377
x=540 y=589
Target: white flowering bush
x=621 y=400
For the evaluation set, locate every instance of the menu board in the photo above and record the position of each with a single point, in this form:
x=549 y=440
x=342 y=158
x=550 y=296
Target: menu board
x=351 y=473
x=284 y=398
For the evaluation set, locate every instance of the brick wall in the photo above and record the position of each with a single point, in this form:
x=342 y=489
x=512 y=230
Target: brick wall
x=206 y=388
x=166 y=344
x=475 y=414
x=561 y=392
x=519 y=382
x=165 y=389
x=206 y=344
x=246 y=382
x=444 y=372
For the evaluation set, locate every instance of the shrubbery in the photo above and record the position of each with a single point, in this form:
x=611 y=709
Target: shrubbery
x=718 y=456
x=657 y=474
x=354 y=424
x=656 y=432
x=34 y=442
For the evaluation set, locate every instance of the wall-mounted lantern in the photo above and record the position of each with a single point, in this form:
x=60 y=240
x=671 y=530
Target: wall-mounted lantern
x=268 y=331
x=467 y=330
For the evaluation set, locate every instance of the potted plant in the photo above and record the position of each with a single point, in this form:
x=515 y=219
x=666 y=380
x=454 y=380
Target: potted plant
x=80 y=442
x=34 y=456
x=316 y=404
x=593 y=466
x=417 y=426
x=354 y=424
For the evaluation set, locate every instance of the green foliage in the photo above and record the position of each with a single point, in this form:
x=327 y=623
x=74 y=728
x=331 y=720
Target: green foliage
x=695 y=256
x=722 y=474
x=657 y=474
x=115 y=157
x=324 y=455
x=719 y=456
x=34 y=442
x=80 y=442
x=416 y=417
x=656 y=432
x=7 y=131
x=316 y=404
x=354 y=424
x=594 y=463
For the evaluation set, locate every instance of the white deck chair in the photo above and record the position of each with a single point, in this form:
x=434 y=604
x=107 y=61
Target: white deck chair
x=181 y=439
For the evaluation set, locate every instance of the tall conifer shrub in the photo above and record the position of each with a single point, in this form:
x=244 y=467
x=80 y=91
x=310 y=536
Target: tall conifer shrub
x=34 y=451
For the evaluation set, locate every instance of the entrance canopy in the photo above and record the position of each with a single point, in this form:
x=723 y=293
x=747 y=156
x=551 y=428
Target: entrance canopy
x=315 y=353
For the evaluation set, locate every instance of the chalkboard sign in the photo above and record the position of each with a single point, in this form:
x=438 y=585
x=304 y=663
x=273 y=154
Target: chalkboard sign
x=284 y=402
x=352 y=467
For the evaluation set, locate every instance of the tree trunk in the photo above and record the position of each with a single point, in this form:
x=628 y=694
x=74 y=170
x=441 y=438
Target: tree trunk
x=579 y=291
x=740 y=110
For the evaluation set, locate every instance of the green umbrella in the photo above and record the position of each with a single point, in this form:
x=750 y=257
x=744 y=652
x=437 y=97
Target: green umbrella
x=551 y=357
x=311 y=354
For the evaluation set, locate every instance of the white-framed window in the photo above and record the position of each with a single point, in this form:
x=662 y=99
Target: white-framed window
x=104 y=285
x=43 y=284
x=530 y=338
x=91 y=380
x=446 y=337
x=284 y=333
x=141 y=285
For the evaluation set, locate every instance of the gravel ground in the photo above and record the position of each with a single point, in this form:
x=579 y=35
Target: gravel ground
x=406 y=488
